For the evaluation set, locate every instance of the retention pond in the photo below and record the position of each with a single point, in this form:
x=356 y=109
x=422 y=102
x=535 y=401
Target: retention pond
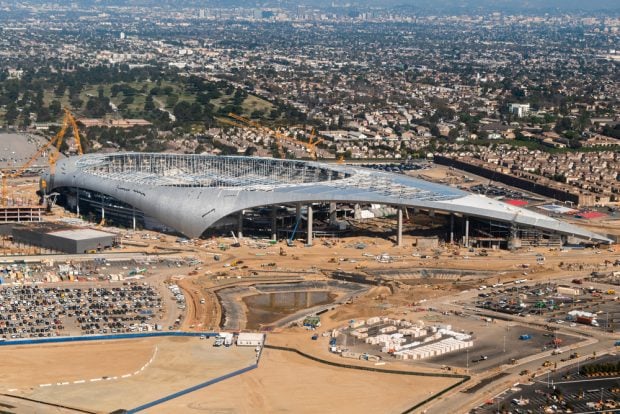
x=266 y=308
x=262 y=306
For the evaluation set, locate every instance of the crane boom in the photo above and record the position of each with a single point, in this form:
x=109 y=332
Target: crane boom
x=246 y=123
x=54 y=143
x=76 y=132
x=310 y=146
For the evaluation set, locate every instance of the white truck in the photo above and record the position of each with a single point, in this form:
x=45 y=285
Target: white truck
x=224 y=338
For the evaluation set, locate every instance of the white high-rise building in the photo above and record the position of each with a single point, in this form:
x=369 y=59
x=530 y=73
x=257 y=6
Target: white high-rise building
x=520 y=110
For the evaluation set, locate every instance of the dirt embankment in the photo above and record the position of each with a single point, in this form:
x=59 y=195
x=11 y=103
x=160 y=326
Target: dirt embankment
x=203 y=309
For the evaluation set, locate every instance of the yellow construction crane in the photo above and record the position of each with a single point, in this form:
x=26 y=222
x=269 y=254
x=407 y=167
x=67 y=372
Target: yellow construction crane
x=67 y=121
x=280 y=137
x=53 y=145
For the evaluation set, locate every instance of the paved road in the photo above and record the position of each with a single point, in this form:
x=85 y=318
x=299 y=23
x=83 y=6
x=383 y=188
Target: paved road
x=595 y=342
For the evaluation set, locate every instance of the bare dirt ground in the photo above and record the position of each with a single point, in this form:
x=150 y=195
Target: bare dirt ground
x=288 y=383
x=284 y=382
x=25 y=367
x=105 y=376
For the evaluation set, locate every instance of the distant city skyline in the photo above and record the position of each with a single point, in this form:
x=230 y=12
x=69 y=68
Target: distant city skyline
x=423 y=6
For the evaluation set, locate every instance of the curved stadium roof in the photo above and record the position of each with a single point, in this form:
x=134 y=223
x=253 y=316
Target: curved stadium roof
x=192 y=192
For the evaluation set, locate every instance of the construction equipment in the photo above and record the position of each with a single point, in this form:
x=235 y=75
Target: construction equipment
x=312 y=144
x=54 y=143
x=251 y=124
x=289 y=242
x=280 y=137
x=67 y=121
x=236 y=243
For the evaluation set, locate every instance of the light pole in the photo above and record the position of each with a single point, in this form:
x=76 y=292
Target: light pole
x=504 y=343
x=467 y=360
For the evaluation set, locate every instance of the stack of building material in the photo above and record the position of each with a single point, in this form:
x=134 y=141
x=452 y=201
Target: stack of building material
x=413 y=332
x=434 y=349
x=388 y=329
x=458 y=335
x=355 y=324
x=359 y=335
x=373 y=321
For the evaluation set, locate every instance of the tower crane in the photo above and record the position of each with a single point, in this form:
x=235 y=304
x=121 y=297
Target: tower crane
x=53 y=145
x=312 y=144
x=67 y=121
x=252 y=125
x=280 y=137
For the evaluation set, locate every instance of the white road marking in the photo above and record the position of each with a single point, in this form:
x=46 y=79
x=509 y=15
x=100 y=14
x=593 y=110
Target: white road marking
x=45 y=385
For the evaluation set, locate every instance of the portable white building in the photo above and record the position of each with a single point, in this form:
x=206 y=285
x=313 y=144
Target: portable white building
x=250 y=339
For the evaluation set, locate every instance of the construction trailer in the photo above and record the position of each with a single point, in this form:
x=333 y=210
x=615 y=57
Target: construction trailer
x=250 y=339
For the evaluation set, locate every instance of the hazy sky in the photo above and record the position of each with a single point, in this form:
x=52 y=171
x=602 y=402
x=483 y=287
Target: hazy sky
x=462 y=6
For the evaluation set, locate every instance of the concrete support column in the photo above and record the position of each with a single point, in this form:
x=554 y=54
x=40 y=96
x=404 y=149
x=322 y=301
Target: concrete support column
x=309 y=238
x=102 y=213
x=297 y=212
x=332 y=214
x=399 y=231
x=357 y=212
x=77 y=201
x=274 y=230
x=133 y=218
x=466 y=240
x=451 y=228
x=240 y=225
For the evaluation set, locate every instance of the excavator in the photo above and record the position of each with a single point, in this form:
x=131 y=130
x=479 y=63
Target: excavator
x=54 y=146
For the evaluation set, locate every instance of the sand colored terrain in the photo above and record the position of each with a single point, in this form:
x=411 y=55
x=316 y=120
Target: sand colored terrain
x=288 y=383
x=170 y=365
x=25 y=367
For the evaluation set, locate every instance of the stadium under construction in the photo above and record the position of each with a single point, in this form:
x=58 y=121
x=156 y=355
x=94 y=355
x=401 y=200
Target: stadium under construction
x=194 y=195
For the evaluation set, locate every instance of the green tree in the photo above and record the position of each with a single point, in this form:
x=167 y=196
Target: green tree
x=55 y=108
x=149 y=105
x=11 y=114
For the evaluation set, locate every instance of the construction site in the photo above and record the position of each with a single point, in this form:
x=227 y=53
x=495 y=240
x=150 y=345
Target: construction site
x=347 y=293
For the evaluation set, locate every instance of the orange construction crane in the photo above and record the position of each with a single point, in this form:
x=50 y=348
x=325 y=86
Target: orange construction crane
x=312 y=144
x=279 y=137
x=252 y=125
x=53 y=145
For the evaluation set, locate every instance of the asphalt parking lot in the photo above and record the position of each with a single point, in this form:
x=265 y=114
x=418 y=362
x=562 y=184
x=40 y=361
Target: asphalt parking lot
x=561 y=391
x=499 y=342
x=35 y=311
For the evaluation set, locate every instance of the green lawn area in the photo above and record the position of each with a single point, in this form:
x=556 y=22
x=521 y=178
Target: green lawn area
x=250 y=104
x=254 y=103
